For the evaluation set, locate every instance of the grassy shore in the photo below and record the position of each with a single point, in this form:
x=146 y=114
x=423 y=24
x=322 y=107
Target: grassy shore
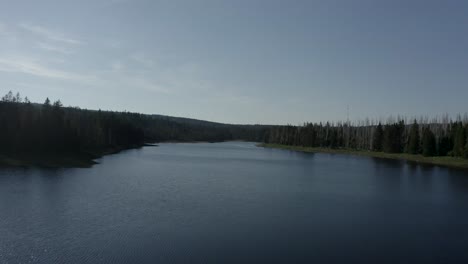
x=452 y=162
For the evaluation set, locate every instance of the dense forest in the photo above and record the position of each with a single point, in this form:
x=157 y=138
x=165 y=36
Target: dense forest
x=51 y=128
x=437 y=137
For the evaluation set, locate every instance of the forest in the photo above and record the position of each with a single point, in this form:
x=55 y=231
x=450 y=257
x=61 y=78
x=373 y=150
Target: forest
x=50 y=128
x=429 y=137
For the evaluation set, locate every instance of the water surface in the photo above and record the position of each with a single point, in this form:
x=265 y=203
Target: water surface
x=234 y=202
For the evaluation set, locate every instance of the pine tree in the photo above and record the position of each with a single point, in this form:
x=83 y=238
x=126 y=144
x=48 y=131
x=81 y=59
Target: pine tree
x=466 y=144
x=466 y=150
x=8 y=97
x=393 y=135
x=378 y=138
x=18 y=98
x=445 y=145
x=459 y=141
x=333 y=139
x=58 y=104
x=413 y=140
x=47 y=102
x=429 y=143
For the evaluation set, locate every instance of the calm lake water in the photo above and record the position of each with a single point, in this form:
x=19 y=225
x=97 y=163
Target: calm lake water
x=234 y=202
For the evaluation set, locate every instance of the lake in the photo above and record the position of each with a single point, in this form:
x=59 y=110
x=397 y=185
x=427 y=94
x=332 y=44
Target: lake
x=234 y=202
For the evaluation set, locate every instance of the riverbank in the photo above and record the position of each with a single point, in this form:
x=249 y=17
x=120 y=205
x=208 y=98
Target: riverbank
x=47 y=160
x=446 y=161
x=62 y=160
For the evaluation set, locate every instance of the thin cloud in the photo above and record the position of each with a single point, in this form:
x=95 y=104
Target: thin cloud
x=53 y=48
x=50 y=34
x=33 y=68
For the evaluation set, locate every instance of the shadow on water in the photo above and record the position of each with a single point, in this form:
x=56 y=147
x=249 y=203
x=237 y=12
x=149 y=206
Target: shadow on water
x=390 y=173
x=400 y=175
x=381 y=163
x=458 y=180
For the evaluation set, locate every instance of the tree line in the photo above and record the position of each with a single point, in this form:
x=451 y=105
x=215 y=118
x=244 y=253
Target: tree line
x=437 y=137
x=49 y=127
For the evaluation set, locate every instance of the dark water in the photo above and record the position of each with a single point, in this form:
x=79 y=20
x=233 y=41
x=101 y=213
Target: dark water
x=234 y=202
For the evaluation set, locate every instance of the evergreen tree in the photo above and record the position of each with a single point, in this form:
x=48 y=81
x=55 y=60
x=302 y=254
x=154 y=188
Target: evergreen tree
x=466 y=150
x=429 y=143
x=17 y=98
x=26 y=128
x=333 y=139
x=8 y=97
x=459 y=141
x=377 y=142
x=58 y=104
x=393 y=136
x=466 y=144
x=445 y=145
x=413 y=140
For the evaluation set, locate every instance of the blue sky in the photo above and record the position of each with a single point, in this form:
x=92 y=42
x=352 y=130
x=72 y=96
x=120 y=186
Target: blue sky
x=243 y=61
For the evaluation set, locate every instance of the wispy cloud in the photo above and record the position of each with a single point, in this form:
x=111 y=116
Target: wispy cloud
x=50 y=34
x=53 y=48
x=27 y=66
x=35 y=68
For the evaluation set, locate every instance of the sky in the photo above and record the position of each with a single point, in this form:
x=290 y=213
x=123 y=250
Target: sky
x=240 y=61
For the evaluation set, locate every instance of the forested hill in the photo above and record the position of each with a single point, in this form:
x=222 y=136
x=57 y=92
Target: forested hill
x=28 y=128
x=188 y=129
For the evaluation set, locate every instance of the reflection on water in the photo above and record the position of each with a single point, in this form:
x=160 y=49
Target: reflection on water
x=234 y=202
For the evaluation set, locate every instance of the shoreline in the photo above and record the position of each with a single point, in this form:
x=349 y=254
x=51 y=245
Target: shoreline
x=445 y=161
x=49 y=161
x=72 y=160
x=61 y=160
